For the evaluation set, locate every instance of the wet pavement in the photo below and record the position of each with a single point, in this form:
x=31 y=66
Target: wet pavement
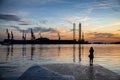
x=63 y=71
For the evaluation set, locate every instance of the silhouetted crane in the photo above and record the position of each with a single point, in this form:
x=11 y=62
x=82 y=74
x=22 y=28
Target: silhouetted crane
x=12 y=37
x=24 y=35
x=8 y=34
x=32 y=35
x=40 y=36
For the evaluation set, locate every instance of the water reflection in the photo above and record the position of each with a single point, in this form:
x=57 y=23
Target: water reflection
x=42 y=50
x=32 y=51
x=74 y=60
x=59 y=48
x=80 y=52
x=10 y=51
x=23 y=50
x=105 y=55
x=79 y=49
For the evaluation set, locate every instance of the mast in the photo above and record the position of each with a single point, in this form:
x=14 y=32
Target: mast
x=79 y=31
x=32 y=35
x=23 y=38
x=24 y=35
x=12 y=37
x=8 y=34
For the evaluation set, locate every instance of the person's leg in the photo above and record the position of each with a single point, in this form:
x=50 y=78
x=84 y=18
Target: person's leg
x=90 y=61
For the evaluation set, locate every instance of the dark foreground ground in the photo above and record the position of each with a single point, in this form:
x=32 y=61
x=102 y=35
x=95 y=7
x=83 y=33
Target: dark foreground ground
x=57 y=72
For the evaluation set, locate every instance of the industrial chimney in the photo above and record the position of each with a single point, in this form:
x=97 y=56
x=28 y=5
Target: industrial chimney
x=59 y=36
x=82 y=36
x=79 y=32
x=73 y=31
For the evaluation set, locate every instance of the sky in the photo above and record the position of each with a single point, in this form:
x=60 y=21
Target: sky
x=100 y=19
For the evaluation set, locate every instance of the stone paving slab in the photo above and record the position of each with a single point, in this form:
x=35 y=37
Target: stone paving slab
x=61 y=71
x=40 y=73
x=83 y=72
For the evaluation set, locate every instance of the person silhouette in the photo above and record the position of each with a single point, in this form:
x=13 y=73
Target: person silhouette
x=91 y=55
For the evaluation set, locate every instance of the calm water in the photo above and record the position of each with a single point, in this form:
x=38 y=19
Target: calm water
x=105 y=55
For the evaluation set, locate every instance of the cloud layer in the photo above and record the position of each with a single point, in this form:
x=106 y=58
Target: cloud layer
x=9 y=17
x=103 y=36
x=35 y=29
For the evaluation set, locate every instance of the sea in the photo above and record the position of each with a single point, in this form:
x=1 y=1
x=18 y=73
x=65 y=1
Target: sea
x=106 y=55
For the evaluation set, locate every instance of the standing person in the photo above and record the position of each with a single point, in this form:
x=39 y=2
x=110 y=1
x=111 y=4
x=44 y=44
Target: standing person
x=91 y=55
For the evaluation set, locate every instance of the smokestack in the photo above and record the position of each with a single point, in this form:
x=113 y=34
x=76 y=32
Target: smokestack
x=79 y=31
x=73 y=31
x=82 y=36
x=59 y=36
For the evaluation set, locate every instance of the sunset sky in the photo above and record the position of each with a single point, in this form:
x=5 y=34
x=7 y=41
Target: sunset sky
x=100 y=19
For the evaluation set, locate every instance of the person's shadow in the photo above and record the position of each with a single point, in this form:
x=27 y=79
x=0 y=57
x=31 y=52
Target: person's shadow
x=91 y=73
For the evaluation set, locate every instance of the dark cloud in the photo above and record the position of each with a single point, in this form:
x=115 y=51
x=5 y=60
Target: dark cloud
x=113 y=4
x=24 y=24
x=9 y=17
x=17 y=28
x=42 y=29
x=117 y=9
x=35 y=29
x=43 y=21
x=118 y=1
x=103 y=35
x=107 y=35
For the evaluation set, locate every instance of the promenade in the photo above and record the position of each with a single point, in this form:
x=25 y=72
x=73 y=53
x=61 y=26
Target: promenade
x=61 y=71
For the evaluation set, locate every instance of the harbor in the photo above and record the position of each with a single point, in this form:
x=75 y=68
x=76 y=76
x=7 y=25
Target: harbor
x=59 y=39
x=44 y=40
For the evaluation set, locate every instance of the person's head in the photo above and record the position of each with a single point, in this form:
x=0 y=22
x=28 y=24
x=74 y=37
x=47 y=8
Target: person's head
x=91 y=47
